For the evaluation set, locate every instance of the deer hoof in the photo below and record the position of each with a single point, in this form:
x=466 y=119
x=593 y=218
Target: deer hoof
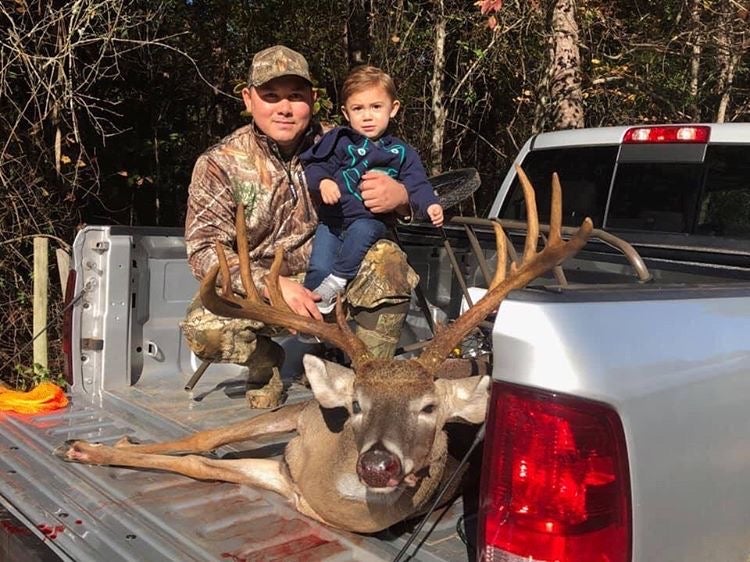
x=74 y=451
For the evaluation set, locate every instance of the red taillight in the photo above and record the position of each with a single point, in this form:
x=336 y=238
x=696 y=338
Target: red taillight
x=555 y=480
x=67 y=328
x=671 y=134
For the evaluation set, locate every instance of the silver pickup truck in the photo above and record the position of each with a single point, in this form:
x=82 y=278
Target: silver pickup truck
x=618 y=428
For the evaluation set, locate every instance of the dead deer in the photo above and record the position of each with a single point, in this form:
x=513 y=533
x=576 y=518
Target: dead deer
x=371 y=449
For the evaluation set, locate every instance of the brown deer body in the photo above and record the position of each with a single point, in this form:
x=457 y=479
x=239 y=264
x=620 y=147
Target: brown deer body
x=370 y=449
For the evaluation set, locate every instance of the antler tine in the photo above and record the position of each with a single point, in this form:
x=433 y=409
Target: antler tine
x=244 y=255
x=272 y=281
x=532 y=216
x=278 y=312
x=226 y=276
x=502 y=255
x=555 y=216
x=532 y=266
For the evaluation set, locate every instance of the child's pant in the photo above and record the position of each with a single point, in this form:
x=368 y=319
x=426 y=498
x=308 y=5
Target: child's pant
x=339 y=250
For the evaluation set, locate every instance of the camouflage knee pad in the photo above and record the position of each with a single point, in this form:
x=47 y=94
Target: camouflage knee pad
x=379 y=296
x=380 y=329
x=384 y=277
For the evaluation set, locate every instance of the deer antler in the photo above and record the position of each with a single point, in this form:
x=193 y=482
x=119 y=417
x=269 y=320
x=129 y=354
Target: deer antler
x=278 y=312
x=531 y=266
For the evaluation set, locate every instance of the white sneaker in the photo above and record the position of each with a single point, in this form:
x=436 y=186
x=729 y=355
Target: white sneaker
x=328 y=290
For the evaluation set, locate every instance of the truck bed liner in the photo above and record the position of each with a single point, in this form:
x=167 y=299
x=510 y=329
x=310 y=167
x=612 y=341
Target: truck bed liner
x=100 y=513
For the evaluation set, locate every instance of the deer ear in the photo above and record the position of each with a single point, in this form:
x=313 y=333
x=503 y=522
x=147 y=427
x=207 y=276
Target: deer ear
x=464 y=399
x=331 y=383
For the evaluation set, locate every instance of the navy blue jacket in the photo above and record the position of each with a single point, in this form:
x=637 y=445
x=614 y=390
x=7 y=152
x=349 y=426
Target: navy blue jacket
x=344 y=155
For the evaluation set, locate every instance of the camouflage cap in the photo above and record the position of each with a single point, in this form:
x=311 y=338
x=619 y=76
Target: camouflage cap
x=277 y=61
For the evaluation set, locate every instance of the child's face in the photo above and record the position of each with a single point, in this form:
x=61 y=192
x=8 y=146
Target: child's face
x=369 y=111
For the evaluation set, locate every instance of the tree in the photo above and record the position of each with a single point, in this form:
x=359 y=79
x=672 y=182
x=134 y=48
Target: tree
x=565 y=88
x=358 y=32
x=731 y=43
x=559 y=92
x=53 y=123
x=439 y=113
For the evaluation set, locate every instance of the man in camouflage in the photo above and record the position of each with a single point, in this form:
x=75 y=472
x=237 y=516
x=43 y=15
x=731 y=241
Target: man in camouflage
x=259 y=165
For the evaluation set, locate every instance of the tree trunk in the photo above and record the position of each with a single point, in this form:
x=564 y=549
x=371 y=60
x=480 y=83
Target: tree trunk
x=358 y=30
x=560 y=91
x=438 y=107
x=695 y=59
x=565 y=86
x=730 y=42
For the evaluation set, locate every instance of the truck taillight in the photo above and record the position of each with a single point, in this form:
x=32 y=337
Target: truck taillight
x=67 y=328
x=668 y=134
x=555 y=480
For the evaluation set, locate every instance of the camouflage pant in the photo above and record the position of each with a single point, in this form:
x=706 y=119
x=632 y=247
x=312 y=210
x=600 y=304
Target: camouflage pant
x=378 y=297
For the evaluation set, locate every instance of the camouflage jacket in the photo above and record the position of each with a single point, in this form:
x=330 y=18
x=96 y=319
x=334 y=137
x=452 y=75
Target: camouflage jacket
x=247 y=166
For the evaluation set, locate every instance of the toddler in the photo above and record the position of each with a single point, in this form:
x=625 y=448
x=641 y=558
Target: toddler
x=333 y=169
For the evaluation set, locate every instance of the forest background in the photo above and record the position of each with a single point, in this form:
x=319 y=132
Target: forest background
x=105 y=104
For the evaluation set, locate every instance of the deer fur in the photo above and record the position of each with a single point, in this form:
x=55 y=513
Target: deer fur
x=371 y=448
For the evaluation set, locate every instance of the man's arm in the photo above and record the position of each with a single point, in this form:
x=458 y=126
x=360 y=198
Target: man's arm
x=210 y=217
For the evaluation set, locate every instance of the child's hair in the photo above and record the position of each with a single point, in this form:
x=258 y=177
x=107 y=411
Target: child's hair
x=365 y=76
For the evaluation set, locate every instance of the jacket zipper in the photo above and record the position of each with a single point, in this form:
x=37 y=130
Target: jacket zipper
x=290 y=179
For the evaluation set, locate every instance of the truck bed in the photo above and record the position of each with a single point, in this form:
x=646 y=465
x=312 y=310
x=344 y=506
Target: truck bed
x=99 y=513
x=130 y=367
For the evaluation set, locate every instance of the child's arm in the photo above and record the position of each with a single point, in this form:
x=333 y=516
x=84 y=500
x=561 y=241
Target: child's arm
x=435 y=212
x=421 y=193
x=329 y=191
x=318 y=174
x=321 y=162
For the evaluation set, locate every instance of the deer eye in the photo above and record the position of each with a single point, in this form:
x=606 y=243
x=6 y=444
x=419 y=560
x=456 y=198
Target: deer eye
x=356 y=409
x=429 y=409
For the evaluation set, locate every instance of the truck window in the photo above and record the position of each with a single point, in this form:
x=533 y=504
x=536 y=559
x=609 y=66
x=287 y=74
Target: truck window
x=708 y=198
x=658 y=196
x=724 y=208
x=585 y=175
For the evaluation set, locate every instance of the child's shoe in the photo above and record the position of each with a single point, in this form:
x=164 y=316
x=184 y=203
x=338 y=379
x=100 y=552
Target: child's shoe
x=328 y=290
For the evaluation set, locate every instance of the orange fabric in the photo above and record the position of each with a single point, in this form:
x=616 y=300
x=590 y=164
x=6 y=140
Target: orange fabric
x=45 y=397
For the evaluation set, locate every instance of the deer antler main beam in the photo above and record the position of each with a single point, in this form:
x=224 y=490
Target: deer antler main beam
x=277 y=313
x=531 y=266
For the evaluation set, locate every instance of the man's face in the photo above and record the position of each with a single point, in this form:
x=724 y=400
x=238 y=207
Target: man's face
x=281 y=108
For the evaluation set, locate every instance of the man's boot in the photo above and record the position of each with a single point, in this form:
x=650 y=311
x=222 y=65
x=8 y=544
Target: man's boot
x=380 y=329
x=263 y=388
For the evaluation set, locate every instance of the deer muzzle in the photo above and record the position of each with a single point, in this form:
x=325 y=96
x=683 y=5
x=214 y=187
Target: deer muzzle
x=379 y=468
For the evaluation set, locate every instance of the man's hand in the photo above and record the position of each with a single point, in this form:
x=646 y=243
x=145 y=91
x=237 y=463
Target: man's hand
x=383 y=194
x=329 y=191
x=300 y=300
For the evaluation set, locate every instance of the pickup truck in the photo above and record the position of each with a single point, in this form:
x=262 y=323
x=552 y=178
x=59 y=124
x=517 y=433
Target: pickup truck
x=617 y=429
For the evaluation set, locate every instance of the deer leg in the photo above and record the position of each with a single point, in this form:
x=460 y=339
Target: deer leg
x=263 y=473
x=282 y=420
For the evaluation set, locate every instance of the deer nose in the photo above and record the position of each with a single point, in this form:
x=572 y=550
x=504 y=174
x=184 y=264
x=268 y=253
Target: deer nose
x=379 y=468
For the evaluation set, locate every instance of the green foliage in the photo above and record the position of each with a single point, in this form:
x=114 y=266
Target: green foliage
x=27 y=377
x=171 y=75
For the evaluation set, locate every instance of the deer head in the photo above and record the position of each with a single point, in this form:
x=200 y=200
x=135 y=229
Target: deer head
x=396 y=409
